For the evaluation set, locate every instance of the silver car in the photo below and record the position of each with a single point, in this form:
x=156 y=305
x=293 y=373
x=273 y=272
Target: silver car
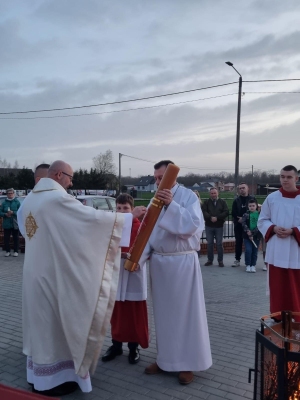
x=104 y=203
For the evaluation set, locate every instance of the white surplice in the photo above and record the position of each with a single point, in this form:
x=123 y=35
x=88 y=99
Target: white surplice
x=177 y=290
x=285 y=212
x=132 y=285
x=70 y=279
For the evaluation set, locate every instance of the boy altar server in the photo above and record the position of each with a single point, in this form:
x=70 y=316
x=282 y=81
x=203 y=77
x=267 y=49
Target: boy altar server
x=129 y=321
x=279 y=222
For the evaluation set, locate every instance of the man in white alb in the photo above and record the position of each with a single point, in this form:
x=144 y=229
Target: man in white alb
x=279 y=222
x=177 y=291
x=70 y=278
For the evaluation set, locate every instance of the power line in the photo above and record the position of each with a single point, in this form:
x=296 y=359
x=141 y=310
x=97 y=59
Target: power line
x=185 y=167
x=270 y=92
x=136 y=158
x=145 y=98
x=141 y=108
x=273 y=80
x=117 y=111
x=211 y=169
x=117 y=102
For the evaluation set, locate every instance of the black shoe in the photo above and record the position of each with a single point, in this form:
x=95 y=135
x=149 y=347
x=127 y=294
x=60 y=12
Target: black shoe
x=58 y=391
x=208 y=263
x=134 y=356
x=111 y=353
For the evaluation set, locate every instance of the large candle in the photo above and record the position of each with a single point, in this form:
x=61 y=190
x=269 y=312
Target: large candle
x=150 y=219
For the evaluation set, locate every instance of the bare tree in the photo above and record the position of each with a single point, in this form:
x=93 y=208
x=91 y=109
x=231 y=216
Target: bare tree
x=4 y=163
x=16 y=164
x=104 y=163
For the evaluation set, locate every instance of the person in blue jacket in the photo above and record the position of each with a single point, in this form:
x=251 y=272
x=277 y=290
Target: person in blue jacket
x=8 y=212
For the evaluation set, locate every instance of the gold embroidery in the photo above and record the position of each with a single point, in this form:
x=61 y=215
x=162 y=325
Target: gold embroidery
x=31 y=226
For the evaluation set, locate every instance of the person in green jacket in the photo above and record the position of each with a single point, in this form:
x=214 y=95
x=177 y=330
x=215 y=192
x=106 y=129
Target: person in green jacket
x=8 y=211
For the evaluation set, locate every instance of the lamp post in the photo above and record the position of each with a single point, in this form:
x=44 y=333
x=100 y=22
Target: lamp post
x=120 y=157
x=238 y=125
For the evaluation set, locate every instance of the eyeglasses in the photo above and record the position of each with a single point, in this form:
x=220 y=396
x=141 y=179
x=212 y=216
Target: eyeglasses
x=70 y=176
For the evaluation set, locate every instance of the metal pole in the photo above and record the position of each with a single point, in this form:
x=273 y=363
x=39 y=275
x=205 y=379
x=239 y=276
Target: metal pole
x=237 y=147
x=120 y=156
x=252 y=183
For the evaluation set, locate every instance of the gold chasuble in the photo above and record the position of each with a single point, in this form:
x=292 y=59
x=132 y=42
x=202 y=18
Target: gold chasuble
x=70 y=276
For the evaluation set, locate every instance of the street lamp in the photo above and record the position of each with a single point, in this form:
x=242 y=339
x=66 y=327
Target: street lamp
x=238 y=125
x=120 y=157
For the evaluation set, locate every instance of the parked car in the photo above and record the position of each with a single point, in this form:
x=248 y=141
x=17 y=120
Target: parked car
x=2 y=198
x=104 y=203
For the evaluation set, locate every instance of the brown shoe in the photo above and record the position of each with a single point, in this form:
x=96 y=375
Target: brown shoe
x=221 y=264
x=185 y=377
x=152 y=369
x=208 y=263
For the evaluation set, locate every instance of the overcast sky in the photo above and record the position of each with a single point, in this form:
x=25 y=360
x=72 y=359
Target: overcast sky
x=67 y=53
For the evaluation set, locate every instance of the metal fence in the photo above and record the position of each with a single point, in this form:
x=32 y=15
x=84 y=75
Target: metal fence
x=228 y=230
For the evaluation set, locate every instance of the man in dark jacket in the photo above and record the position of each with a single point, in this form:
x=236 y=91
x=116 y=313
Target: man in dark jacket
x=215 y=212
x=239 y=207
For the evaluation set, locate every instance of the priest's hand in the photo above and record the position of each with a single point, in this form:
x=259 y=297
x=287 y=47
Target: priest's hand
x=165 y=195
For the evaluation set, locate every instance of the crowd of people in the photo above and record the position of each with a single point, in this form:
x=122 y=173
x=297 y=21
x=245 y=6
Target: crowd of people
x=66 y=279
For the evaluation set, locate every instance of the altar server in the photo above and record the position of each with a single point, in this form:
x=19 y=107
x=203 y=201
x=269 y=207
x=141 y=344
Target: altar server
x=177 y=291
x=279 y=222
x=129 y=321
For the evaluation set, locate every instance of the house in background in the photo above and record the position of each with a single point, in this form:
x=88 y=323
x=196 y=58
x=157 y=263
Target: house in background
x=146 y=184
x=200 y=187
x=229 y=187
x=208 y=185
x=220 y=186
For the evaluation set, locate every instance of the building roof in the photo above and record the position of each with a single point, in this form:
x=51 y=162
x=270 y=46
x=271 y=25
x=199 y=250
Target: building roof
x=229 y=184
x=145 y=180
x=212 y=184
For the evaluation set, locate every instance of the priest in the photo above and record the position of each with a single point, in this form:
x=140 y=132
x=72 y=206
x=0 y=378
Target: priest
x=279 y=222
x=182 y=337
x=70 y=278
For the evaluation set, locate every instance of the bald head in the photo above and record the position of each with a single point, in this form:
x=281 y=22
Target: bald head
x=62 y=173
x=41 y=171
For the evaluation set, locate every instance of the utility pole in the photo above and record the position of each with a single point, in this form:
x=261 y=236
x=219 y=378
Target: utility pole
x=252 y=182
x=120 y=156
x=238 y=125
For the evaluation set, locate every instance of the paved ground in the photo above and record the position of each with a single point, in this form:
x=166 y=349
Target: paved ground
x=234 y=299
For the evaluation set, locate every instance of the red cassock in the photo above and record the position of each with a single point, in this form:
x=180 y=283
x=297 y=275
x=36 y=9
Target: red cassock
x=284 y=283
x=129 y=321
x=284 y=289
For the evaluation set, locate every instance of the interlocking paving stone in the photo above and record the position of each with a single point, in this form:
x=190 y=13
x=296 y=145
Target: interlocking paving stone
x=234 y=300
